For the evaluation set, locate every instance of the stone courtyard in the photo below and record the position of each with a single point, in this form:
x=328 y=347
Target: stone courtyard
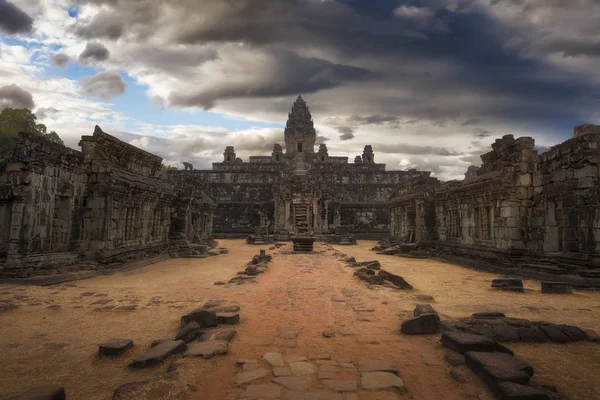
x=308 y=329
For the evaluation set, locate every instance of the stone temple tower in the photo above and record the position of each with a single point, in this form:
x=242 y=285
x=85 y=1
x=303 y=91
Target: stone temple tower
x=300 y=134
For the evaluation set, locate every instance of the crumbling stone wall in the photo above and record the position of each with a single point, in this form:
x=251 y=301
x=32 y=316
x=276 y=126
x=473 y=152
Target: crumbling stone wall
x=517 y=205
x=107 y=203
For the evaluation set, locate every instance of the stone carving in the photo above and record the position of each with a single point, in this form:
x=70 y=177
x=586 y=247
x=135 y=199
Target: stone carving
x=188 y=166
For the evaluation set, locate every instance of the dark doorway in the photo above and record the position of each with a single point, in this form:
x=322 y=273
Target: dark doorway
x=299 y=147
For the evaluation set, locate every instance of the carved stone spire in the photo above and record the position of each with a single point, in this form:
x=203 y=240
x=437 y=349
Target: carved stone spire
x=300 y=134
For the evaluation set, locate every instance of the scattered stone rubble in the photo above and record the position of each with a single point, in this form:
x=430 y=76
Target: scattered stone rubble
x=371 y=272
x=258 y=265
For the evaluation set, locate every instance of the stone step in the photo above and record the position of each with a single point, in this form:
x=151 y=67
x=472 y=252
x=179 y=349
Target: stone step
x=551 y=269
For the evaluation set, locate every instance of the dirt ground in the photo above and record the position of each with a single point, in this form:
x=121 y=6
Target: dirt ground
x=52 y=337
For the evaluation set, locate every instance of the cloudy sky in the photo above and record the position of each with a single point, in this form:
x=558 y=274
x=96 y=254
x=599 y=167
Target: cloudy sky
x=429 y=84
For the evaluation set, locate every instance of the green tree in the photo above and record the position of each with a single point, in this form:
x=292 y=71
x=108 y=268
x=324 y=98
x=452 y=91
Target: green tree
x=15 y=120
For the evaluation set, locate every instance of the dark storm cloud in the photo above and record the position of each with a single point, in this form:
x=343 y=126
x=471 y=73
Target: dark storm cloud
x=13 y=20
x=347 y=132
x=481 y=133
x=105 y=84
x=287 y=74
x=465 y=62
x=405 y=148
x=60 y=59
x=94 y=52
x=12 y=96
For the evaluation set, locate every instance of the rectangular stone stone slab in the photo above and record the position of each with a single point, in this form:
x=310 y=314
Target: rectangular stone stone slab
x=421 y=309
x=421 y=325
x=464 y=342
x=114 y=347
x=555 y=333
x=206 y=349
x=499 y=367
x=158 y=353
x=556 y=288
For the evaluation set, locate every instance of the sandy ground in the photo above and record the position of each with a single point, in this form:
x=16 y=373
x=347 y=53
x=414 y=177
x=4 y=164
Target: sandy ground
x=53 y=336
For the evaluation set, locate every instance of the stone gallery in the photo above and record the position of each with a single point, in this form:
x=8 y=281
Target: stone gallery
x=108 y=203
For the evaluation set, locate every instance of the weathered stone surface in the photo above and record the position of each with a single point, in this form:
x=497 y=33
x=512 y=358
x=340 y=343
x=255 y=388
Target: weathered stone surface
x=377 y=365
x=454 y=358
x=299 y=383
x=421 y=309
x=158 y=353
x=264 y=391
x=130 y=390
x=189 y=332
x=207 y=349
x=46 y=392
x=228 y=318
x=204 y=318
x=380 y=380
x=532 y=334
x=516 y=391
x=423 y=324
x=225 y=334
x=464 y=342
x=499 y=367
x=395 y=279
x=249 y=376
x=114 y=347
x=295 y=395
x=506 y=333
x=329 y=333
x=290 y=358
x=592 y=335
x=275 y=359
x=282 y=371
x=303 y=368
x=341 y=386
x=574 y=333
x=555 y=333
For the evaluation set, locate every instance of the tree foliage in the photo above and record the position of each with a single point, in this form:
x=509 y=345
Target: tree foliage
x=15 y=120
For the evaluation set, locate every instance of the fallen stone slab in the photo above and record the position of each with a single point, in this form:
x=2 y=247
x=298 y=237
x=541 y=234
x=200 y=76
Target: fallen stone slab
x=158 y=353
x=114 y=347
x=375 y=280
x=499 y=367
x=395 y=279
x=509 y=284
x=488 y=315
x=380 y=380
x=377 y=365
x=421 y=309
x=204 y=318
x=574 y=333
x=556 y=288
x=282 y=371
x=299 y=383
x=532 y=335
x=592 y=335
x=503 y=333
x=207 y=349
x=517 y=391
x=341 y=386
x=421 y=325
x=364 y=271
x=464 y=342
x=249 y=376
x=555 y=333
x=372 y=264
x=46 y=392
x=228 y=318
x=189 y=332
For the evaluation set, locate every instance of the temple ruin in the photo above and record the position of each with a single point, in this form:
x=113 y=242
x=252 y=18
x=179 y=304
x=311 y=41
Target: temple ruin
x=112 y=202
x=89 y=209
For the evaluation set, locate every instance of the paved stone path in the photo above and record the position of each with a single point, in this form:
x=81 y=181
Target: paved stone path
x=316 y=332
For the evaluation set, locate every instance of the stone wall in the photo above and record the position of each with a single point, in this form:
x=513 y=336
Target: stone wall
x=517 y=206
x=108 y=203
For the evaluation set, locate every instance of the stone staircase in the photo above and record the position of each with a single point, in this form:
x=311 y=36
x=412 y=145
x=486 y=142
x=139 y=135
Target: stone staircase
x=300 y=169
x=346 y=239
x=300 y=214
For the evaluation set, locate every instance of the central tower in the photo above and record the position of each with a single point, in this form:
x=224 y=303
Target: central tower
x=300 y=134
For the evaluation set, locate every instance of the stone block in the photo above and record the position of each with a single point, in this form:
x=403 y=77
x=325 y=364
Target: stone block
x=421 y=309
x=517 y=391
x=423 y=324
x=204 y=318
x=207 y=349
x=497 y=367
x=46 y=392
x=464 y=342
x=158 y=353
x=114 y=347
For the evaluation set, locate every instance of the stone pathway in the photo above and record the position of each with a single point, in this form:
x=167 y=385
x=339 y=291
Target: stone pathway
x=315 y=332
